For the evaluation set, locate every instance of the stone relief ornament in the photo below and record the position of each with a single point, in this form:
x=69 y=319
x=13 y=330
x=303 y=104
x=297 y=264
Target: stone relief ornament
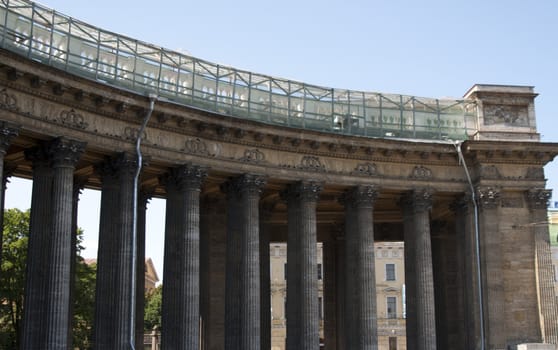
x=421 y=173
x=311 y=163
x=369 y=169
x=7 y=101
x=71 y=118
x=196 y=146
x=511 y=115
x=253 y=156
x=489 y=197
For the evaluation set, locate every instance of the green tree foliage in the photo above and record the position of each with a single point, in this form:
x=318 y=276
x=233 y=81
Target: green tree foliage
x=12 y=285
x=12 y=276
x=153 y=302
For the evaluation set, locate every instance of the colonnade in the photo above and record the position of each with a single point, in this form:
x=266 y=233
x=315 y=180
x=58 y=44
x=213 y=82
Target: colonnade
x=350 y=296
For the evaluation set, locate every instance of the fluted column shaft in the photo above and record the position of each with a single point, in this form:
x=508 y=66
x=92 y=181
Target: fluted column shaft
x=417 y=205
x=7 y=133
x=143 y=200
x=360 y=282
x=245 y=191
x=181 y=291
x=330 y=293
x=537 y=200
x=64 y=154
x=39 y=229
x=302 y=281
x=265 y=287
x=113 y=302
x=492 y=264
x=105 y=282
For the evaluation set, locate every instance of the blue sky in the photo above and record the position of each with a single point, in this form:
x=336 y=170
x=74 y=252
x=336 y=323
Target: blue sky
x=423 y=48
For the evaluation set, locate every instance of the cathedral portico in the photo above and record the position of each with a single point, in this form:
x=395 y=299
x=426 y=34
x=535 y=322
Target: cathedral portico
x=237 y=176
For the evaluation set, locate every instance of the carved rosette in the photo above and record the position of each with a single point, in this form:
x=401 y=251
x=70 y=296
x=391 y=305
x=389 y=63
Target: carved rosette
x=195 y=146
x=488 y=197
x=360 y=196
x=308 y=191
x=311 y=163
x=417 y=200
x=246 y=184
x=421 y=173
x=253 y=156
x=7 y=132
x=185 y=177
x=368 y=169
x=537 y=198
x=65 y=152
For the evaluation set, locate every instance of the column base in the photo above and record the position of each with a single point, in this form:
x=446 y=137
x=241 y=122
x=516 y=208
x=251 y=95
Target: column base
x=535 y=346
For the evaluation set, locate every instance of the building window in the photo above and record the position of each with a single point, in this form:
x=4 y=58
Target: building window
x=390 y=272
x=392 y=343
x=319 y=271
x=321 y=308
x=285 y=271
x=391 y=307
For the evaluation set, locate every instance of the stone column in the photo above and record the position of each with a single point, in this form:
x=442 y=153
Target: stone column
x=416 y=212
x=491 y=262
x=302 y=279
x=7 y=133
x=181 y=290
x=112 y=310
x=105 y=282
x=361 y=326
x=265 y=287
x=39 y=230
x=143 y=200
x=537 y=200
x=467 y=267
x=64 y=154
x=243 y=194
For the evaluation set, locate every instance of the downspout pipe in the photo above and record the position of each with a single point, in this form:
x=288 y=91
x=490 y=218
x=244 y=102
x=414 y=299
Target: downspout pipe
x=133 y=284
x=457 y=145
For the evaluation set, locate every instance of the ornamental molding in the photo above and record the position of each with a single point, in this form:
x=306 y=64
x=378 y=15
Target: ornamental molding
x=254 y=156
x=367 y=169
x=196 y=146
x=311 y=163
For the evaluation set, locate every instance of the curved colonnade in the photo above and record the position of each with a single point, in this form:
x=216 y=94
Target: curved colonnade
x=233 y=185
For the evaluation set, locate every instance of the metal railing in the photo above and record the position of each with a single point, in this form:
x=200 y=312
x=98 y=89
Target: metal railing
x=54 y=39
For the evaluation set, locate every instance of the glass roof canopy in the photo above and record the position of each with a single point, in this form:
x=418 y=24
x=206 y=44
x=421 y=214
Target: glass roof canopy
x=42 y=34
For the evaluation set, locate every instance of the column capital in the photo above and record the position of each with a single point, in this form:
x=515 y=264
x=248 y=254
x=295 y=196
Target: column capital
x=184 y=177
x=7 y=132
x=65 y=152
x=145 y=195
x=113 y=166
x=307 y=191
x=37 y=155
x=488 y=197
x=417 y=200
x=360 y=196
x=244 y=184
x=537 y=198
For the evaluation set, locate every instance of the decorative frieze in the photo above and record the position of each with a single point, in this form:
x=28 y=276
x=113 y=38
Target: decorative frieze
x=510 y=115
